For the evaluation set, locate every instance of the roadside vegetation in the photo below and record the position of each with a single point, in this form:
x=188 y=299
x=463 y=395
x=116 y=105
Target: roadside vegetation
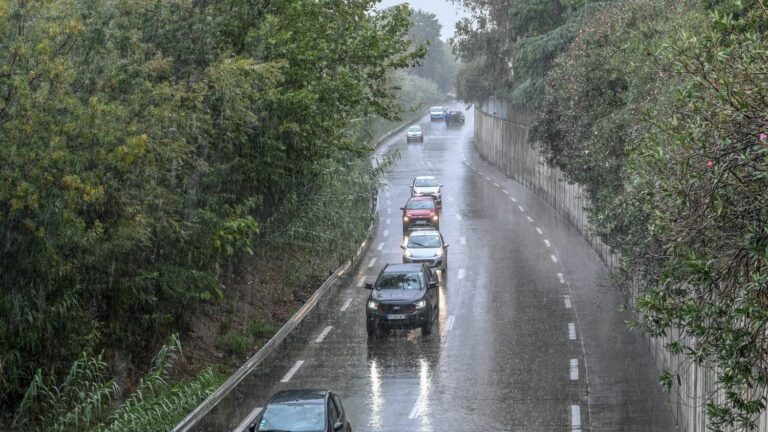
x=170 y=168
x=660 y=110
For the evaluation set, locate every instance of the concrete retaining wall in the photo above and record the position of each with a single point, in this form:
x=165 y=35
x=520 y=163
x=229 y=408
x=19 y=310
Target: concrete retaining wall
x=501 y=138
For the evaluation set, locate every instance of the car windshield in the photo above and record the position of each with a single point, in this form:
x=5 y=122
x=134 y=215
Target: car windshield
x=425 y=182
x=424 y=241
x=436 y=109
x=414 y=129
x=404 y=281
x=420 y=205
x=294 y=417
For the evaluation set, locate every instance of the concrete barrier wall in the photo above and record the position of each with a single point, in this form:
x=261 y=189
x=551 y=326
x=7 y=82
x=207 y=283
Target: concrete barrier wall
x=501 y=138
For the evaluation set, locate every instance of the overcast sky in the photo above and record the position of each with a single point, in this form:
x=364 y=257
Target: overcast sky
x=447 y=13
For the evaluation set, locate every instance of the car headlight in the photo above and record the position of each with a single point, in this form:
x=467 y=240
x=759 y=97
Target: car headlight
x=408 y=253
x=434 y=218
x=405 y=219
x=373 y=304
x=439 y=252
x=421 y=304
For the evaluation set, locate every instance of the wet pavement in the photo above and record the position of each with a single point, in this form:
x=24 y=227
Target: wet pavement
x=530 y=336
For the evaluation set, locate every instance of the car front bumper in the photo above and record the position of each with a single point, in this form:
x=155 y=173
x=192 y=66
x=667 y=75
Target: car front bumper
x=432 y=262
x=410 y=321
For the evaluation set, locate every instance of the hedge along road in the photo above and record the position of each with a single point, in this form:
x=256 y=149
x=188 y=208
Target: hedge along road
x=530 y=333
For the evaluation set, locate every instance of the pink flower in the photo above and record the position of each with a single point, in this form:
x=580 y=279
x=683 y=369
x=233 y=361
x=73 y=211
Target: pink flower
x=763 y=137
x=710 y=164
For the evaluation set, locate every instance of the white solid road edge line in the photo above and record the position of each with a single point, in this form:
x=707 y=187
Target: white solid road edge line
x=247 y=420
x=571 y=331
x=322 y=335
x=346 y=304
x=574 y=369
x=575 y=418
x=567 y=300
x=292 y=371
x=451 y=320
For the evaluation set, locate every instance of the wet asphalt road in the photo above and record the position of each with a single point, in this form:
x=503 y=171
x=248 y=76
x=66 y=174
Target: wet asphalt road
x=530 y=335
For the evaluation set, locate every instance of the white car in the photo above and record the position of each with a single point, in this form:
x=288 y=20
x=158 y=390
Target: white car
x=428 y=185
x=414 y=133
x=426 y=246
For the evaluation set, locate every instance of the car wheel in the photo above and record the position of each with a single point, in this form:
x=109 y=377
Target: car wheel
x=370 y=328
x=426 y=329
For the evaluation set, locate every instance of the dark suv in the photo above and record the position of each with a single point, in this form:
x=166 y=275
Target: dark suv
x=454 y=118
x=403 y=296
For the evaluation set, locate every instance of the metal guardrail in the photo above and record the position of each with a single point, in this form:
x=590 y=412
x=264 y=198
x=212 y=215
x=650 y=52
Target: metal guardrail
x=191 y=420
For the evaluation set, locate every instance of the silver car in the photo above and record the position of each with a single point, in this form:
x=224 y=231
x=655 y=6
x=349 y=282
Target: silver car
x=426 y=246
x=428 y=185
x=414 y=133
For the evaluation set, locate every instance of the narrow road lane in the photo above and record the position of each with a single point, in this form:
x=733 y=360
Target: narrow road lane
x=530 y=335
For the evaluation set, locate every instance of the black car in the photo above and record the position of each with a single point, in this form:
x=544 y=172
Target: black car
x=302 y=411
x=403 y=296
x=454 y=118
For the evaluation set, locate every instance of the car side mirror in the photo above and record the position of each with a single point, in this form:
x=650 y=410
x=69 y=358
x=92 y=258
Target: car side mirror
x=446 y=246
x=368 y=286
x=402 y=247
x=252 y=427
x=402 y=208
x=432 y=285
x=338 y=426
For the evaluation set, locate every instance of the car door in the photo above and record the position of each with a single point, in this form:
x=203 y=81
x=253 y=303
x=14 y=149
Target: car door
x=432 y=294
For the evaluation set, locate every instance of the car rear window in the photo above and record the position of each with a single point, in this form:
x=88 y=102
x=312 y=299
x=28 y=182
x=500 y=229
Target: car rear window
x=404 y=281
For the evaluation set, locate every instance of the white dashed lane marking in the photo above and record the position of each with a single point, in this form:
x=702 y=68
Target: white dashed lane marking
x=561 y=277
x=574 y=369
x=292 y=371
x=372 y=262
x=386 y=233
x=575 y=418
x=451 y=320
x=530 y=219
x=505 y=191
x=380 y=246
x=554 y=258
x=463 y=240
x=346 y=304
x=520 y=208
x=513 y=199
x=546 y=242
x=389 y=221
x=248 y=420
x=361 y=282
x=322 y=335
x=461 y=274
x=538 y=230
x=571 y=331
x=458 y=217
x=567 y=300
x=497 y=185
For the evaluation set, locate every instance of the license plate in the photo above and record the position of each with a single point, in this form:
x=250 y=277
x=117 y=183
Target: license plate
x=420 y=222
x=396 y=316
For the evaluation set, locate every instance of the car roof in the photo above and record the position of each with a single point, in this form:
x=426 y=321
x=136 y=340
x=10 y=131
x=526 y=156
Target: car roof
x=425 y=178
x=402 y=268
x=415 y=126
x=454 y=112
x=437 y=107
x=286 y=396
x=422 y=198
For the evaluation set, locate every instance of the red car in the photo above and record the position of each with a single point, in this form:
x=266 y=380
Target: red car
x=420 y=211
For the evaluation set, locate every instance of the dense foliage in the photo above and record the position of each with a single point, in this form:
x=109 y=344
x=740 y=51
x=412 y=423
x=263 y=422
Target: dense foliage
x=660 y=109
x=439 y=64
x=507 y=47
x=146 y=145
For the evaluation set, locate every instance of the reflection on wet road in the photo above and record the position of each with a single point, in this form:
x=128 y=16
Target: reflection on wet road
x=529 y=337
